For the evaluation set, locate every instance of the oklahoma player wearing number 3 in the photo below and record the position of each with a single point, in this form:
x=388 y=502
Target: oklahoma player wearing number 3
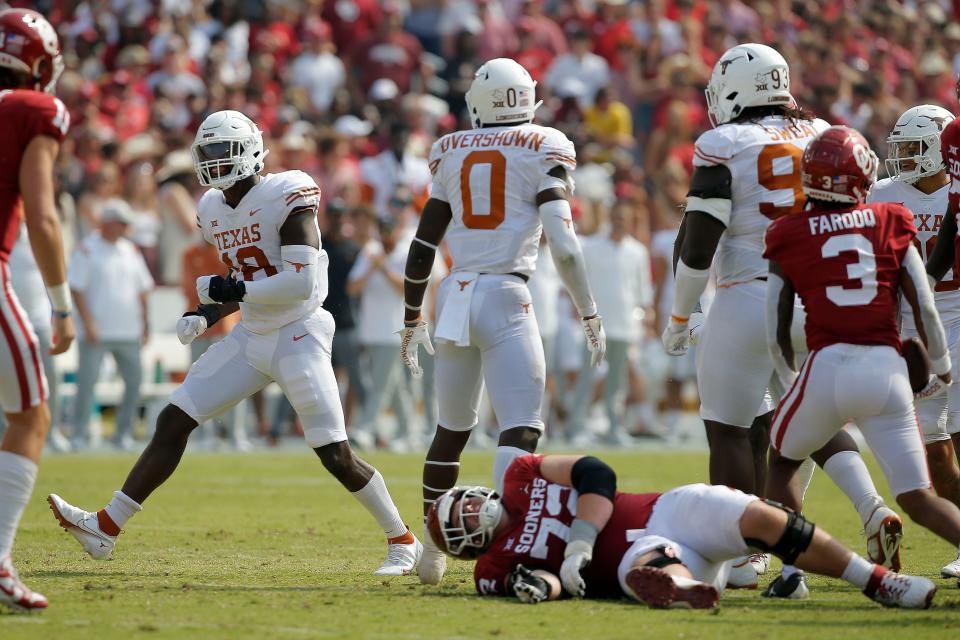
x=496 y=188
x=266 y=230
x=849 y=263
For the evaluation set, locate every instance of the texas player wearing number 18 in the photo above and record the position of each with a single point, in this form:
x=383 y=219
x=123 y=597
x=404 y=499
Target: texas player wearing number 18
x=33 y=123
x=562 y=526
x=497 y=187
x=848 y=263
x=266 y=230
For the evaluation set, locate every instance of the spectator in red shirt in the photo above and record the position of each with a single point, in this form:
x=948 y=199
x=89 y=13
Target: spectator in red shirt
x=389 y=52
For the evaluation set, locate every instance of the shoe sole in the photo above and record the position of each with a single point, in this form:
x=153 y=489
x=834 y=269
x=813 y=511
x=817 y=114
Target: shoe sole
x=656 y=588
x=68 y=526
x=947 y=575
x=892 y=526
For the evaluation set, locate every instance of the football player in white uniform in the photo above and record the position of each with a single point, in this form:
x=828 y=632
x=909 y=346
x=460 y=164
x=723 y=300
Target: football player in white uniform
x=918 y=179
x=746 y=174
x=266 y=230
x=494 y=190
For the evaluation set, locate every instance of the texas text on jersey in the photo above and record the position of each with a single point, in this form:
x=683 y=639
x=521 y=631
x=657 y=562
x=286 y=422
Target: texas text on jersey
x=845 y=266
x=538 y=536
x=483 y=175
x=763 y=158
x=248 y=240
x=24 y=115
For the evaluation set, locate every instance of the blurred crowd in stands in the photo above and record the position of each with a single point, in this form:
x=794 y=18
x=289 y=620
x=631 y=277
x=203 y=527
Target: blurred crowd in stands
x=353 y=92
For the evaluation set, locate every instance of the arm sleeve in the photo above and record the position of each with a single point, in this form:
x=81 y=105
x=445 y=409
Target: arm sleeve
x=567 y=254
x=936 y=338
x=295 y=282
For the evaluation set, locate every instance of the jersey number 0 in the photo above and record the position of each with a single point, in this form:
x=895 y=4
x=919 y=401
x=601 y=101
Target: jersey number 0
x=495 y=193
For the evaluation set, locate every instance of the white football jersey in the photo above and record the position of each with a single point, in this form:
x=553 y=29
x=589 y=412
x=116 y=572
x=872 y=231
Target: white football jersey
x=928 y=210
x=491 y=177
x=764 y=161
x=248 y=240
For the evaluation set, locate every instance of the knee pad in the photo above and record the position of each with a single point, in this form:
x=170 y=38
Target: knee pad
x=795 y=540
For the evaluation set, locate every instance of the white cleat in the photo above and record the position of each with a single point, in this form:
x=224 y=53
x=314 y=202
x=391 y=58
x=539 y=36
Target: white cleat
x=898 y=590
x=433 y=563
x=760 y=562
x=743 y=575
x=15 y=594
x=952 y=570
x=402 y=559
x=884 y=531
x=83 y=526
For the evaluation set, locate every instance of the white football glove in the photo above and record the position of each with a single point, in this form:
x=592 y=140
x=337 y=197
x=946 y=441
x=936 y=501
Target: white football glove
x=676 y=337
x=203 y=290
x=695 y=325
x=935 y=387
x=576 y=556
x=190 y=327
x=410 y=340
x=596 y=338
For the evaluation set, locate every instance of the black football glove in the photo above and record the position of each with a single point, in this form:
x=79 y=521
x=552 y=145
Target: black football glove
x=527 y=586
x=226 y=289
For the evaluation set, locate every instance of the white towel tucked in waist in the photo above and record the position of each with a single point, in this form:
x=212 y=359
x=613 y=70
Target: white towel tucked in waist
x=453 y=324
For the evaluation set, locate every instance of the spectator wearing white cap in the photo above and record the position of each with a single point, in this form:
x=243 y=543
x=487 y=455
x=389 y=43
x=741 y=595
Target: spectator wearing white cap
x=109 y=281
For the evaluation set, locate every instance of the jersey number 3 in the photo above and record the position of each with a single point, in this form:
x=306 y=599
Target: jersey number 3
x=771 y=181
x=863 y=270
x=493 y=198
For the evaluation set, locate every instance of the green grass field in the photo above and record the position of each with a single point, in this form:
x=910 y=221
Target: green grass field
x=269 y=546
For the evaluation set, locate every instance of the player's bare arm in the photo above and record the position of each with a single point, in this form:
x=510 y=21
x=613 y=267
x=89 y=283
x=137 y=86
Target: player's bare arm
x=705 y=220
x=916 y=289
x=780 y=305
x=554 y=207
x=942 y=257
x=43 y=226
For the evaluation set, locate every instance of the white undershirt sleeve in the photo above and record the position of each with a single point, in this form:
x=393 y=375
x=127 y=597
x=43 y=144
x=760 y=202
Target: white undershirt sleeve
x=567 y=254
x=293 y=283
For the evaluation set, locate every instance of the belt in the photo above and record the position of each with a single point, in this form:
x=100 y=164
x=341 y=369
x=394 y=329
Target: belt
x=515 y=274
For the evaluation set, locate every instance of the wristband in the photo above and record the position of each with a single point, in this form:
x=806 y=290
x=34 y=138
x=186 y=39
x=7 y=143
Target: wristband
x=60 y=298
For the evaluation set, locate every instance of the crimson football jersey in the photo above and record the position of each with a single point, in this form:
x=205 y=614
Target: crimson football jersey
x=950 y=150
x=845 y=266
x=541 y=514
x=24 y=115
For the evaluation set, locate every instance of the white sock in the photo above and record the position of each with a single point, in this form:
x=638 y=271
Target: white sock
x=848 y=471
x=858 y=572
x=121 y=508
x=17 y=475
x=501 y=460
x=376 y=498
x=805 y=473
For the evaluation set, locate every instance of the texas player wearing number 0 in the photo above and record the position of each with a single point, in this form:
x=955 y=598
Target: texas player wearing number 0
x=849 y=263
x=266 y=230
x=494 y=190
x=33 y=123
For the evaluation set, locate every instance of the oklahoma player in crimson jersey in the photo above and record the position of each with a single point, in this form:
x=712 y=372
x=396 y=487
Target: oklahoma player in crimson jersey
x=562 y=526
x=849 y=263
x=33 y=123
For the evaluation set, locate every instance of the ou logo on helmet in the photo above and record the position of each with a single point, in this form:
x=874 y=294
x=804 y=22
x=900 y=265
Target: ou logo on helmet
x=46 y=32
x=865 y=159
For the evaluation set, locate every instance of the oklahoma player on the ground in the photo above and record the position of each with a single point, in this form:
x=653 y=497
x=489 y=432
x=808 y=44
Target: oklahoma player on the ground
x=918 y=180
x=33 y=123
x=266 y=230
x=496 y=188
x=849 y=263
x=561 y=525
x=747 y=173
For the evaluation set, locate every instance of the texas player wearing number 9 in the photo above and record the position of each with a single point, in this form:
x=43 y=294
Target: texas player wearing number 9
x=33 y=123
x=496 y=188
x=266 y=230
x=849 y=263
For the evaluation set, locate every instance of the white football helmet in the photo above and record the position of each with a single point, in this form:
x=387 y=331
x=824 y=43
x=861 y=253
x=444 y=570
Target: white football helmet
x=228 y=148
x=915 y=139
x=502 y=93
x=460 y=538
x=747 y=75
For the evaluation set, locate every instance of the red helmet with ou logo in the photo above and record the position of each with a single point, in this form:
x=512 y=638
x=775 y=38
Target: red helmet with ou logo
x=838 y=166
x=29 y=45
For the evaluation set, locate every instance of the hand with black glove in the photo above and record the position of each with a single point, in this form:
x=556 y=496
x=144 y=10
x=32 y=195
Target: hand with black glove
x=222 y=289
x=527 y=586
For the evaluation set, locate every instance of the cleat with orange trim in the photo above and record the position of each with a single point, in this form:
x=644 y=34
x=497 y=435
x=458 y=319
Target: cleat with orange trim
x=403 y=556
x=84 y=526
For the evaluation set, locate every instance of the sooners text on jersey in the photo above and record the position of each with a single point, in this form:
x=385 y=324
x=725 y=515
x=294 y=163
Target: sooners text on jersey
x=24 y=115
x=845 y=266
x=928 y=210
x=248 y=240
x=764 y=162
x=542 y=513
x=491 y=177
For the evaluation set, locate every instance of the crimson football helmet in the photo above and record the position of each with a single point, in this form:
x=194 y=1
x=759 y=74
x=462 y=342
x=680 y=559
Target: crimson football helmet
x=29 y=45
x=838 y=166
x=477 y=511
